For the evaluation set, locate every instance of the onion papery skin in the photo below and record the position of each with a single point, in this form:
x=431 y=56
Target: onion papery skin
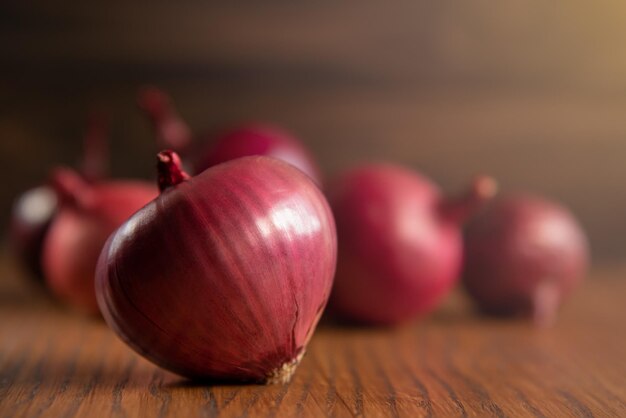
x=78 y=234
x=399 y=255
x=524 y=256
x=258 y=139
x=225 y=275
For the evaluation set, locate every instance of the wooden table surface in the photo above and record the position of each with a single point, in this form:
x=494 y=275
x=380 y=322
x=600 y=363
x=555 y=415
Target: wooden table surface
x=58 y=364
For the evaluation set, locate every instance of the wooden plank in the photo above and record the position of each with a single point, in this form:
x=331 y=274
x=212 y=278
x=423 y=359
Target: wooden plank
x=453 y=363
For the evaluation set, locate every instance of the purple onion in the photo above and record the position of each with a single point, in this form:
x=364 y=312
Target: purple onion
x=225 y=275
x=86 y=215
x=34 y=210
x=400 y=244
x=524 y=256
x=241 y=141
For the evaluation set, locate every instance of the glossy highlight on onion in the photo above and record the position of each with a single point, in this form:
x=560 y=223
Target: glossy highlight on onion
x=524 y=256
x=225 y=275
x=400 y=244
x=87 y=214
x=240 y=141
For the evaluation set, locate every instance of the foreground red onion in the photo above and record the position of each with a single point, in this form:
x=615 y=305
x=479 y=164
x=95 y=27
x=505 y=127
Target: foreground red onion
x=225 y=275
x=34 y=210
x=246 y=140
x=524 y=256
x=87 y=215
x=400 y=244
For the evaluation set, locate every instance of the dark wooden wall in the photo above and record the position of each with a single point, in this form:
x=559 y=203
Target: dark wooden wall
x=531 y=92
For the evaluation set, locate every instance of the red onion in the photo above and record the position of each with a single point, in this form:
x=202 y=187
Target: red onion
x=225 y=275
x=524 y=255
x=400 y=246
x=246 y=140
x=86 y=216
x=258 y=139
x=170 y=129
x=34 y=210
x=31 y=217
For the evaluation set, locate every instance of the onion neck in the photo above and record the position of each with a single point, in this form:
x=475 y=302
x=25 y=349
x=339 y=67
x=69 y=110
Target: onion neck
x=458 y=209
x=94 y=165
x=71 y=189
x=170 y=170
x=171 y=131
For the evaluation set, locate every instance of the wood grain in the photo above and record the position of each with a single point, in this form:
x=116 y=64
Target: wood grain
x=54 y=363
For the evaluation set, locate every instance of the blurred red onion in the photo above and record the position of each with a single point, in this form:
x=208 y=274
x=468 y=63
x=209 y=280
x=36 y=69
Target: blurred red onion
x=86 y=216
x=32 y=213
x=34 y=210
x=244 y=140
x=524 y=256
x=400 y=246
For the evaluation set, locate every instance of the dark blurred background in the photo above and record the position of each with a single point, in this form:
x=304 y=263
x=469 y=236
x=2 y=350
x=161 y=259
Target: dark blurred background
x=531 y=92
